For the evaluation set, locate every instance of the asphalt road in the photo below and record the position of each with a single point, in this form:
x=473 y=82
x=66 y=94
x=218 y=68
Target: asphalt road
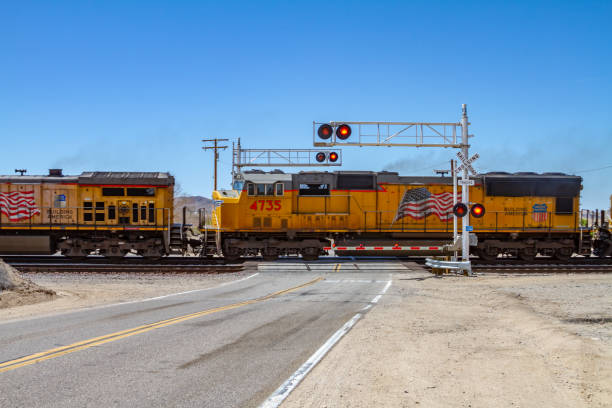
x=228 y=346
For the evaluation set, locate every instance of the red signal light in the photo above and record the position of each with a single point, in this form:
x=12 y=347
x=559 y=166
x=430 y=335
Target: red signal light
x=333 y=157
x=325 y=131
x=477 y=210
x=320 y=157
x=460 y=210
x=343 y=132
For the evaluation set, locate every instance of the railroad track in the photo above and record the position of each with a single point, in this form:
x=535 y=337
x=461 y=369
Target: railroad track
x=119 y=268
x=169 y=265
x=177 y=264
x=542 y=268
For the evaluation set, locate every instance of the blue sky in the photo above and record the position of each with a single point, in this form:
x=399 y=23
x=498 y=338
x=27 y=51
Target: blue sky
x=135 y=85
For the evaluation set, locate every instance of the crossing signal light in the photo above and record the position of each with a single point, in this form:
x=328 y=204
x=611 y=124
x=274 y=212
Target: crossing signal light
x=320 y=157
x=477 y=210
x=325 y=131
x=460 y=210
x=343 y=132
x=333 y=157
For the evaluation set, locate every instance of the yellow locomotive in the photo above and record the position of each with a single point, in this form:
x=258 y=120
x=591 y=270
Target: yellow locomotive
x=111 y=213
x=383 y=213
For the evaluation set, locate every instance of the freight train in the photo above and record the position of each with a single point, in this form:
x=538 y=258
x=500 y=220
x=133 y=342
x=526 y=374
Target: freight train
x=308 y=213
x=383 y=213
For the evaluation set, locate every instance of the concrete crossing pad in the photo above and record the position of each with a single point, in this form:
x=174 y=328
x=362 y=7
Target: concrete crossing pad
x=332 y=266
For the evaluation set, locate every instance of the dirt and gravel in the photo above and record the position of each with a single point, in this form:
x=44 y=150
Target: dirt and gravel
x=81 y=290
x=492 y=341
x=15 y=290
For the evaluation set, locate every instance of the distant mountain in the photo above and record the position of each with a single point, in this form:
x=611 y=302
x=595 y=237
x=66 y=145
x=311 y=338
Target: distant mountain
x=193 y=204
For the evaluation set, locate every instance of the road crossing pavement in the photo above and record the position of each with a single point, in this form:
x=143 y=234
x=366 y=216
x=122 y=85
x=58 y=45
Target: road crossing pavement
x=232 y=345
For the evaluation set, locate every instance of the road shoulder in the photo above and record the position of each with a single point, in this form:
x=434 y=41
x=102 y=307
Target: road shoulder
x=482 y=342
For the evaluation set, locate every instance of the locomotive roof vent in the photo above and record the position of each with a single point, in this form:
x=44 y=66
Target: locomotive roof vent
x=55 y=172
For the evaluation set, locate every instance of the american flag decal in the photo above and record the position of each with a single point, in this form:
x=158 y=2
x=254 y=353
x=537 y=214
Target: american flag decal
x=18 y=205
x=540 y=213
x=418 y=203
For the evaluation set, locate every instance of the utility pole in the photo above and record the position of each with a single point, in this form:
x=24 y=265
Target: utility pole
x=216 y=148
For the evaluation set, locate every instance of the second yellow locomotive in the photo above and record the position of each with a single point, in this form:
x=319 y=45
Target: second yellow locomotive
x=276 y=213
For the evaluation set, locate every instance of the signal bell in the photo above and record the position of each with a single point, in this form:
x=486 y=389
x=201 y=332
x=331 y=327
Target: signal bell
x=343 y=132
x=325 y=131
x=477 y=210
x=460 y=210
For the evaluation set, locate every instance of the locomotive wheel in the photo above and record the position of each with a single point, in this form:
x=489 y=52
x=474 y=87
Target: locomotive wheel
x=270 y=255
x=563 y=254
x=310 y=254
x=527 y=254
x=231 y=255
x=601 y=249
x=487 y=255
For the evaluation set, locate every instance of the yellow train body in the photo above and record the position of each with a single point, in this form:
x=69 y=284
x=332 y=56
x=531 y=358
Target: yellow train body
x=367 y=206
x=51 y=212
x=377 y=210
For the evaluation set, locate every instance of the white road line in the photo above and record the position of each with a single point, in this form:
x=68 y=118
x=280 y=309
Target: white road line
x=128 y=302
x=285 y=389
x=353 y=281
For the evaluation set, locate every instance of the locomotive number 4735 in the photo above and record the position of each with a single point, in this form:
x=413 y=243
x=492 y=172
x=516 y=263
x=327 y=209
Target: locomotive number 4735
x=266 y=205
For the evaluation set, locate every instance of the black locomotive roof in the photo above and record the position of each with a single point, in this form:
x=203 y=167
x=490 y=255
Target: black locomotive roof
x=126 y=177
x=496 y=183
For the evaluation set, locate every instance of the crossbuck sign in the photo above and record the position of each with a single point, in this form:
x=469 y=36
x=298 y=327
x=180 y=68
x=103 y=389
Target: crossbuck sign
x=467 y=163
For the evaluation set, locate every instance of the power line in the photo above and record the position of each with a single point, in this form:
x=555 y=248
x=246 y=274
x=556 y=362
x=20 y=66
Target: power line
x=597 y=169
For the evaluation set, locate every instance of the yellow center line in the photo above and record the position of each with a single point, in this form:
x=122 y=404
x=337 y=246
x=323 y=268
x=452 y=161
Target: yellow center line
x=96 y=341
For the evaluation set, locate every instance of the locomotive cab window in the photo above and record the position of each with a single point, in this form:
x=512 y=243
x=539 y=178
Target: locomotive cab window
x=113 y=191
x=280 y=189
x=314 y=189
x=141 y=192
x=260 y=189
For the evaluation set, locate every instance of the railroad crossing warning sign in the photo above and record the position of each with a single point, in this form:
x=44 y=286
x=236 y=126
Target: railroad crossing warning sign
x=467 y=182
x=467 y=163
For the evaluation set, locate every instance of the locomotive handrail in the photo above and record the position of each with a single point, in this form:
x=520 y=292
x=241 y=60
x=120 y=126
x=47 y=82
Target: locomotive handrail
x=46 y=218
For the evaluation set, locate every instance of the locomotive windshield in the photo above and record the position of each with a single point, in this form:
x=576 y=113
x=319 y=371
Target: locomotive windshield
x=314 y=189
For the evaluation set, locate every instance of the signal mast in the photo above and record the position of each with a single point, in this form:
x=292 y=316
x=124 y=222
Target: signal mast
x=415 y=134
